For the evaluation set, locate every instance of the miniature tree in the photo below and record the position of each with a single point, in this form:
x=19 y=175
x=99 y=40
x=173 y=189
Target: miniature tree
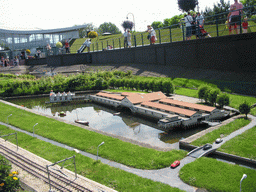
x=223 y=100
x=244 y=108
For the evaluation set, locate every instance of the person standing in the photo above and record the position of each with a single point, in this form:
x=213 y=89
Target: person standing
x=67 y=46
x=236 y=15
x=152 y=35
x=188 y=22
x=129 y=39
x=125 y=38
x=245 y=25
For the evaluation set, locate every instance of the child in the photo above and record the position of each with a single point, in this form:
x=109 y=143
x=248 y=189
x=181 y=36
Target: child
x=245 y=25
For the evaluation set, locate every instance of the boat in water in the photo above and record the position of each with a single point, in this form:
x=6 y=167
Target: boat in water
x=82 y=122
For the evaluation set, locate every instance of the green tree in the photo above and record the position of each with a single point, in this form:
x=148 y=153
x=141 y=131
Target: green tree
x=244 y=108
x=168 y=87
x=248 y=3
x=108 y=27
x=212 y=96
x=203 y=92
x=175 y=20
x=157 y=24
x=223 y=100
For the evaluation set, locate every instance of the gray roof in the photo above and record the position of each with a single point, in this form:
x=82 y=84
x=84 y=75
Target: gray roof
x=44 y=31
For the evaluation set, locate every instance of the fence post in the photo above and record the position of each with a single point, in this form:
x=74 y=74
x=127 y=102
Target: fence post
x=183 y=32
x=217 y=26
x=240 y=22
x=113 y=44
x=102 y=45
x=171 y=34
x=119 y=43
x=97 y=46
x=159 y=33
x=135 y=44
x=142 y=42
x=93 y=47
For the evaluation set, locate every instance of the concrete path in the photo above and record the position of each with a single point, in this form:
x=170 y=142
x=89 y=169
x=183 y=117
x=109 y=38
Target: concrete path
x=165 y=175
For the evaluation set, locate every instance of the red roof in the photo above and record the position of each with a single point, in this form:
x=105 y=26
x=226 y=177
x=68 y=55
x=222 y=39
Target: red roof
x=110 y=96
x=168 y=108
x=190 y=105
x=139 y=98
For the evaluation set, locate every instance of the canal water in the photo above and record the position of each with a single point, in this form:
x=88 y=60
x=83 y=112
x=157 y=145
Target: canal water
x=103 y=118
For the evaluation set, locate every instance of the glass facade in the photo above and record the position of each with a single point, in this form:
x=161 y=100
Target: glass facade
x=17 y=40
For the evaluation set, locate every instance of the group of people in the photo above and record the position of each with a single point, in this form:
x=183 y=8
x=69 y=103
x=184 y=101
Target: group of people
x=6 y=62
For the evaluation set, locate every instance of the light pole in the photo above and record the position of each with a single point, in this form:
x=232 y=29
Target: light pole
x=98 y=149
x=244 y=177
x=133 y=19
x=7 y=118
x=34 y=129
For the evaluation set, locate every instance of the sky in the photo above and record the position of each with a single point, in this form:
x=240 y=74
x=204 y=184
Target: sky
x=52 y=14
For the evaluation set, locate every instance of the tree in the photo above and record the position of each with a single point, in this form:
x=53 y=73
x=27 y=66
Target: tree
x=157 y=24
x=248 y=3
x=244 y=108
x=187 y=5
x=108 y=27
x=175 y=20
x=83 y=31
x=223 y=100
x=202 y=90
x=212 y=96
x=92 y=34
x=168 y=87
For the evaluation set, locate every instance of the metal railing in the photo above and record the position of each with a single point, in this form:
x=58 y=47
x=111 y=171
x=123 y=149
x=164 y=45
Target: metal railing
x=213 y=25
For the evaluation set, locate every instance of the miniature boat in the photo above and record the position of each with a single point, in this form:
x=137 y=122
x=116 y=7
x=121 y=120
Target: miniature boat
x=82 y=122
x=118 y=113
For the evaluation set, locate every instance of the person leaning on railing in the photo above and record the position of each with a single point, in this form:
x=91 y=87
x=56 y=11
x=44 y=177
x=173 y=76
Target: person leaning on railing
x=235 y=15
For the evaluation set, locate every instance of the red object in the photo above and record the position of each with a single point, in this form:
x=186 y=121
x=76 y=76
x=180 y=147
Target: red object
x=175 y=164
x=245 y=25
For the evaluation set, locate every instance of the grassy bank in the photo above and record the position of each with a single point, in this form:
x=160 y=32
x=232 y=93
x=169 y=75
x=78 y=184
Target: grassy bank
x=223 y=130
x=94 y=170
x=243 y=145
x=216 y=176
x=113 y=149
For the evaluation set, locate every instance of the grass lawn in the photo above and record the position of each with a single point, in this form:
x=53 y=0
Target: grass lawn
x=243 y=145
x=113 y=149
x=94 y=170
x=216 y=176
x=225 y=130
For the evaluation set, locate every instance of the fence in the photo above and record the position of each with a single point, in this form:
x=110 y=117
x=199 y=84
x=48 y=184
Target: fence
x=214 y=25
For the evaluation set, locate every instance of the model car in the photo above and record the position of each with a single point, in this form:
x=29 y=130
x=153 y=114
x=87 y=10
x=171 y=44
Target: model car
x=175 y=164
x=219 y=140
x=207 y=146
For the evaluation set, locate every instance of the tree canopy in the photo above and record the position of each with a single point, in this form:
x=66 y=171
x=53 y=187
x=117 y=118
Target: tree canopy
x=187 y=5
x=108 y=27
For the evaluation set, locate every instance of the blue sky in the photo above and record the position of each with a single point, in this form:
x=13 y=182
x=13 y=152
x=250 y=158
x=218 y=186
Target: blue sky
x=50 y=14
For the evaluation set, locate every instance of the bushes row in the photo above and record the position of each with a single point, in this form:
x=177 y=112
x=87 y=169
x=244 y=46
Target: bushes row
x=213 y=96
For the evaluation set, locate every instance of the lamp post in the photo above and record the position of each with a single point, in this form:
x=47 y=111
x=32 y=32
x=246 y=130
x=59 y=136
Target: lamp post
x=34 y=129
x=7 y=118
x=98 y=149
x=133 y=19
x=244 y=177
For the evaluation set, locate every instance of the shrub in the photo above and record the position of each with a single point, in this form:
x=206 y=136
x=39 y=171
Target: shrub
x=245 y=108
x=92 y=34
x=59 y=45
x=203 y=92
x=127 y=25
x=28 y=51
x=212 y=96
x=8 y=180
x=222 y=100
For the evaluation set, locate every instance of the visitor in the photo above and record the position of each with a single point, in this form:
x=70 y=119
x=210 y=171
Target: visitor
x=188 y=21
x=236 y=15
x=193 y=24
x=200 y=19
x=125 y=38
x=129 y=40
x=152 y=35
x=49 y=49
x=67 y=46
x=2 y=60
x=245 y=25
x=87 y=43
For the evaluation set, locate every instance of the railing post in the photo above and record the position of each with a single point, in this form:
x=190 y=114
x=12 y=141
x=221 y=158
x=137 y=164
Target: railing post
x=217 y=26
x=97 y=46
x=240 y=22
x=171 y=34
x=135 y=44
x=102 y=46
x=183 y=31
x=159 y=33
x=93 y=47
x=113 y=44
x=119 y=43
x=142 y=42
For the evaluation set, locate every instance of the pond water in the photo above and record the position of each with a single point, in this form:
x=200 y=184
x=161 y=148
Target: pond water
x=102 y=118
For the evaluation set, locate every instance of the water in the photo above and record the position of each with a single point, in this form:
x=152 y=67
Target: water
x=103 y=118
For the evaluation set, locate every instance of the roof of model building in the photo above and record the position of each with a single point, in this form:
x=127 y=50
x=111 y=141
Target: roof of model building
x=189 y=105
x=110 y=96
x=139 y=98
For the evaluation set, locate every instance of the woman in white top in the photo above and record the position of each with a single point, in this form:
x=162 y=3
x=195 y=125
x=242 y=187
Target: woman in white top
x=188 y=21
